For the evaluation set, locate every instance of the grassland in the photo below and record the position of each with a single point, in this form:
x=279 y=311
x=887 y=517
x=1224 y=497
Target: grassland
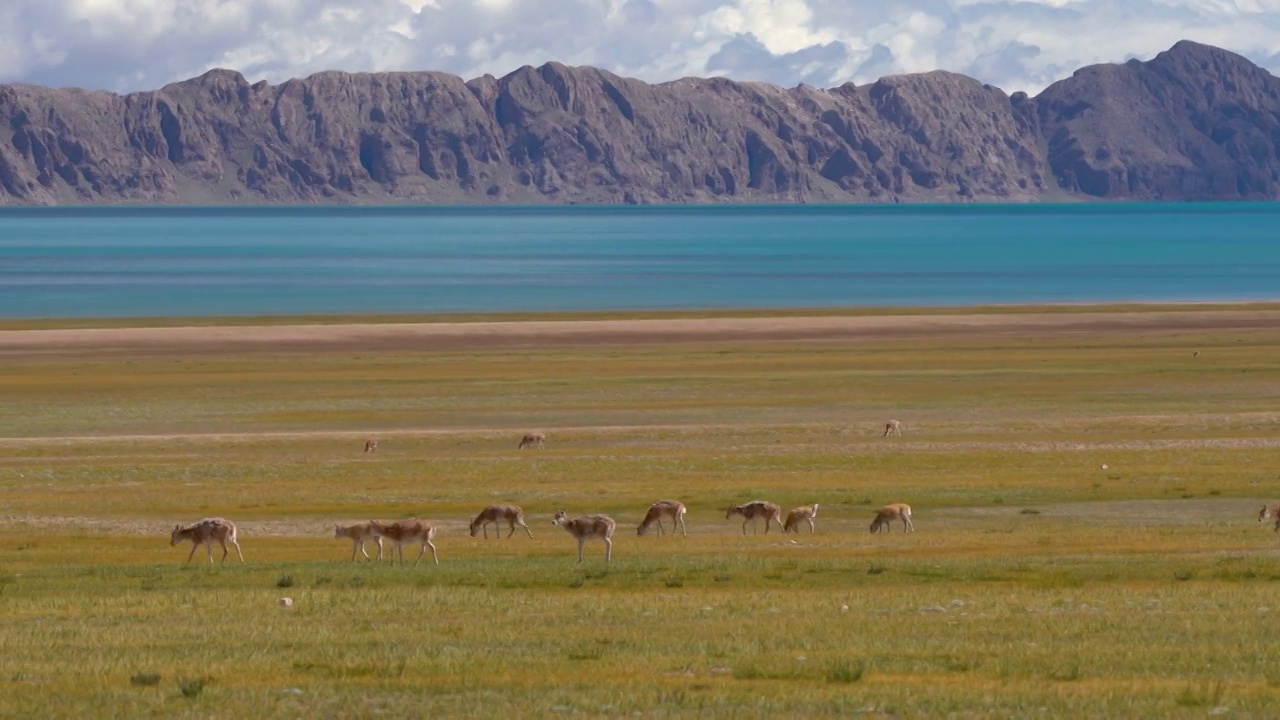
x=1038 y=583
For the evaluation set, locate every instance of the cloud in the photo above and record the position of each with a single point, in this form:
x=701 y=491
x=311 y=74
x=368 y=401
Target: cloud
x=127 y=45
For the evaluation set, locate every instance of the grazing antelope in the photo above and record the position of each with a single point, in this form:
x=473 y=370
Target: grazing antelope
x=1270 y=512
x=532 y=440
x=497 y=514
x=800 y=514
x=893 y=427
x=408 y=531
x=756 y=509
x=663 y=508
x=588 y=527
x=207 y=532
x=359 y=534
x=371 y=446
x=889 y=513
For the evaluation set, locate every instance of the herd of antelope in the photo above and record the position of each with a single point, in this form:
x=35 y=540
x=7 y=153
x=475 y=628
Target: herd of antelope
x=587 y=527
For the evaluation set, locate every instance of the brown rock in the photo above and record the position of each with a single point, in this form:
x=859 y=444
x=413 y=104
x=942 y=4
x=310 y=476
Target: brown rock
x=1195 y=122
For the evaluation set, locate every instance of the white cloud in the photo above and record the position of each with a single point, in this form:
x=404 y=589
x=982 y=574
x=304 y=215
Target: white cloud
x=1015 y=44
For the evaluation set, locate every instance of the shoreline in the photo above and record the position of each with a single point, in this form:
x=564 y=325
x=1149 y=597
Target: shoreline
x=8 y=324
x=389 y=334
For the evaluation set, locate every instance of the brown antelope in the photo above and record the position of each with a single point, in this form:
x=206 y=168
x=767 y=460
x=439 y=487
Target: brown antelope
x=497 y=514
x=800 y=514
x=1270 y=512
x=663 y=508
x=532 y=440
x=889 y=513
x=893 y=427
x=359 y=534
x=371 y=446
x=207 y=532
x=588 y=527
x=756 y=509
x=408 y=531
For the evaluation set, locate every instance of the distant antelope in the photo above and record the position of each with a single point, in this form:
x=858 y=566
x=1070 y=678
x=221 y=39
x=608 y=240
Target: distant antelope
x=207 y=532
x=889 y=513
x=498 y=514
x=1270 y=512
x=408 y=531
x=371 y=446
x=359 y=534
x=804 y=513
x=663 y=508
x=588 y=527
x=893 y=427
x=532 y=440
x=756 y=509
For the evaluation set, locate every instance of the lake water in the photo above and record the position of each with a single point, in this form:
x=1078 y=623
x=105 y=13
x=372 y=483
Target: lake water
x=102 y=262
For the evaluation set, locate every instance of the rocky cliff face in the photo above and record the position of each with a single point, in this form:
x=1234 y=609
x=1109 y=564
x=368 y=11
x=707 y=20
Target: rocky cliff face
x=1194 y=123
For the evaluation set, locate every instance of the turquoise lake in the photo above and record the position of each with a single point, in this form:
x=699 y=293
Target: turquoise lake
x=104 y=262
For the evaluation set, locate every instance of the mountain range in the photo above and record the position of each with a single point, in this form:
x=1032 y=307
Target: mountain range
x=1194 y=123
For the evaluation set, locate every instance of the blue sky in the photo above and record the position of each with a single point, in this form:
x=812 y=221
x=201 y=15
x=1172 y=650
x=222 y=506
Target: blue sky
x=126 y=45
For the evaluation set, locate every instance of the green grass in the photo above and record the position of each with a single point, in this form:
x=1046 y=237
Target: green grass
x=534 y=632
x=1037 y=583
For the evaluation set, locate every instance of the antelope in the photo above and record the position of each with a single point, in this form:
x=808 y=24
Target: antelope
x=359 y=534
x=532 y=440
x=408 y=531
x=371 y=446
x=497 y=514
x=586 y=528
x=756 y=509
x=207 y=532
x=892 y=427
x=1270 y=512
x=888 y=513
x=664 y=508
x=803 y=513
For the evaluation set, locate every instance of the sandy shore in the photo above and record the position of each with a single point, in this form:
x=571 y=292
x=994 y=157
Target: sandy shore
x=479 y=335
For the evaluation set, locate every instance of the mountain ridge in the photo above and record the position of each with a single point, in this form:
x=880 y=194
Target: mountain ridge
x=1194 y=123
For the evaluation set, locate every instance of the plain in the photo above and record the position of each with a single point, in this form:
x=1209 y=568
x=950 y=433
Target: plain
x=1085 y=497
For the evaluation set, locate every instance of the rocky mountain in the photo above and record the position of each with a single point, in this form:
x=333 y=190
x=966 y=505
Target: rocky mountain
x=1196 y=122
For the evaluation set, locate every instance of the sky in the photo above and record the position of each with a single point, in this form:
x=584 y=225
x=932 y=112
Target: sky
x=127 y=45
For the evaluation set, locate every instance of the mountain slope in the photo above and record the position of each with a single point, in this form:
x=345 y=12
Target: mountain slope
x=1193 y=123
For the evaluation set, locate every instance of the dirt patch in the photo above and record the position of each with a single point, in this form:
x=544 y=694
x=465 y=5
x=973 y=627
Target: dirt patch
x=448 y=336
x=1189 y=511
x=873 y=446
